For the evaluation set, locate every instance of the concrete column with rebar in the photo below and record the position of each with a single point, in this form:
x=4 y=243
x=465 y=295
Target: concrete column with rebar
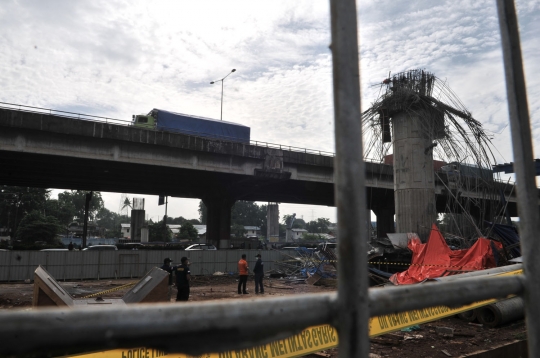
x=414 y=184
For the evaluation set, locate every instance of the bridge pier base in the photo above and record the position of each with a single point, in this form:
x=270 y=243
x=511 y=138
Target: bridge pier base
x=385 y=220
x=218 y=222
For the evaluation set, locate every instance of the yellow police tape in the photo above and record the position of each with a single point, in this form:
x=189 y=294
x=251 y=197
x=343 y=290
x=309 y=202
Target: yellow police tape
x=312 y=339
x=111 y=290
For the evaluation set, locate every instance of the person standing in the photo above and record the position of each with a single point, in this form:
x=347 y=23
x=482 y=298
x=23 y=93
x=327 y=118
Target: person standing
x=183 y=276
x=167 y=267
x=243 y=270
x=70 y=246
x=258 y=270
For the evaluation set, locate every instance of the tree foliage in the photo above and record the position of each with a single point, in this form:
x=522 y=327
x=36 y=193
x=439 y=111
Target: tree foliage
x=238 y=230
x=312 y=237
x=62 y=212
x=188 y=232
x=176 y=221
x=318 y=227
x=38 y=227
x=159 y=232
x=77 y=200
x=16 y=202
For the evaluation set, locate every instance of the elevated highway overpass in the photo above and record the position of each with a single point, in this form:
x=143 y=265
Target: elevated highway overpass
x=62 y=150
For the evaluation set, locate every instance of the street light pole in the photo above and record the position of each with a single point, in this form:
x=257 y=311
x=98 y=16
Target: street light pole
x=233 y=70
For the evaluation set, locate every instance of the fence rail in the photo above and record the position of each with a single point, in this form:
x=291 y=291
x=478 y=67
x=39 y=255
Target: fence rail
x=92 y=265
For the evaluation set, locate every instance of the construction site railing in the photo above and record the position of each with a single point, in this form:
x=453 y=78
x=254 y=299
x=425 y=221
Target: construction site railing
x=216 y=326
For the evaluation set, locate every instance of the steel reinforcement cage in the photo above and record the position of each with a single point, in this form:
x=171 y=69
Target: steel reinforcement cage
x=215 y=326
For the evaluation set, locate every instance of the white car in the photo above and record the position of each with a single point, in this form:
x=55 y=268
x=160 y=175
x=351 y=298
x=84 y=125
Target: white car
x=100 y=248
x=197 y=247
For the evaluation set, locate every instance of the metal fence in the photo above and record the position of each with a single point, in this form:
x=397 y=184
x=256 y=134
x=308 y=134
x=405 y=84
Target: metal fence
x=217 y=326
x=91 y=265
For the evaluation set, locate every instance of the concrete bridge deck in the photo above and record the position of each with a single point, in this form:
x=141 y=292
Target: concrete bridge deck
x=56 y=151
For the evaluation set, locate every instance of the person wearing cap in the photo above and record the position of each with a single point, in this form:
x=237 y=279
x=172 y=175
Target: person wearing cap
x=258 y=270
x=183 y=276
x=243 y=270
x=167 y=267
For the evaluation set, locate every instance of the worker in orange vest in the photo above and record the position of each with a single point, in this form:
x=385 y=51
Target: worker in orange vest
x=243 y=270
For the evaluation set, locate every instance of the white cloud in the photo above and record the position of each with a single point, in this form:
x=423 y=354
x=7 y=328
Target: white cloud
x=118 y=58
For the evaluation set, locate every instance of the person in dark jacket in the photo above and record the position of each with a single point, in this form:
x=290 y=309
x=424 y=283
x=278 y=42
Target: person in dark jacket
x=167 y=267
x=183 y=277
x=258 y=270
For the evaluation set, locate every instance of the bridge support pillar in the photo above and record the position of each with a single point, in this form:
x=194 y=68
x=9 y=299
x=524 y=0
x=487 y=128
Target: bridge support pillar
x=385 y=221
x=414 y=184
x=218 y=222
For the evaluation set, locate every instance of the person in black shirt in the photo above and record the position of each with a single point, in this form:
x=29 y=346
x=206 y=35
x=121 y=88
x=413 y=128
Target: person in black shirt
x=258 y=270
x=183 y=276
x=167 y=267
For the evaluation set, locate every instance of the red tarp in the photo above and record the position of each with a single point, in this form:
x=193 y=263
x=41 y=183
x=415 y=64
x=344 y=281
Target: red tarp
x=434 y=258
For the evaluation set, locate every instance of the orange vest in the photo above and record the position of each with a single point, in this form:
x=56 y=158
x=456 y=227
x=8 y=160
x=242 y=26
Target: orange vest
x=242 y=267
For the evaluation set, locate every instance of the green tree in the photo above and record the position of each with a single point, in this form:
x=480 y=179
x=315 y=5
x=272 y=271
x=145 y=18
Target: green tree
x=38 y=227
x=312 y=237
x=107 y=219
x=194 y=222
x=62 y=212
x=77 y=198
x=176 y=221
x=247 y=213
x=318 y=227
x=299 y=224
x=188 y=232
x=111 y=221
x=159 y=232
x=17 y=201
x=238 y=230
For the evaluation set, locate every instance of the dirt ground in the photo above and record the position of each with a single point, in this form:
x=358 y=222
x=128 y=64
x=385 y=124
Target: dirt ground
x=425 y=342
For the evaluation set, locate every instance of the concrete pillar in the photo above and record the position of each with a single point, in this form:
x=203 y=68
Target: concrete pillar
x=272 y=222
x=385 y=221
x=414 y=184
x=218 y=219
x=137 y=222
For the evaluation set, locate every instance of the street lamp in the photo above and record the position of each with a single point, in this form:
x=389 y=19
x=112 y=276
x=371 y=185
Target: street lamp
x=233 y=70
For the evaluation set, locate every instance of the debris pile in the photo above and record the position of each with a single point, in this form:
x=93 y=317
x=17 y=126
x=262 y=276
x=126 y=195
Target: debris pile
x=306 y=265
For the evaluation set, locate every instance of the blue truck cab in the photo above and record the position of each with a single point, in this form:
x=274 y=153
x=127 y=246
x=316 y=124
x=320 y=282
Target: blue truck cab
x=158 y=119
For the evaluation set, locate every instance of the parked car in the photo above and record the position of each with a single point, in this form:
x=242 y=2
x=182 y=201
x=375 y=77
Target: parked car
x=54 y=250
x=197 y=247
x=131 y=246
x=100 y=248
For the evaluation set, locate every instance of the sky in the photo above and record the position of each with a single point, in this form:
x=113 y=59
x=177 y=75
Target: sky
x=117 y=58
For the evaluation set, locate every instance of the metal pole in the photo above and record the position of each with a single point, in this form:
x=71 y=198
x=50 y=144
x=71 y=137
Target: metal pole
x=523 y=165
x=353 y=316
x=88 y=197
x=221 y=116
